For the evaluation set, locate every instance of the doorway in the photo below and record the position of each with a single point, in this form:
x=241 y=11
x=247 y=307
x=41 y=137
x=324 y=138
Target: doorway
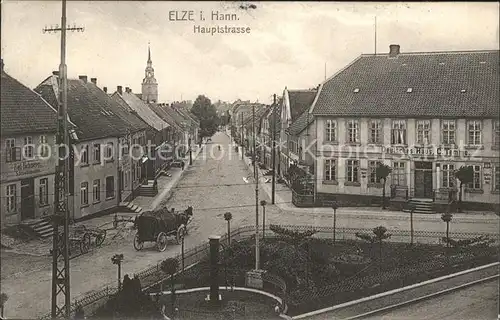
x=27 y=199
x=423 y=179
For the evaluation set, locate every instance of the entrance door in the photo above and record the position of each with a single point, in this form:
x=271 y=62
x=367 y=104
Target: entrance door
x=423 y=179
x=27 y=199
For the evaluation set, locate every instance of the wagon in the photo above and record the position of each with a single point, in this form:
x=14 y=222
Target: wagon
x=82 y=236
x=156 y=226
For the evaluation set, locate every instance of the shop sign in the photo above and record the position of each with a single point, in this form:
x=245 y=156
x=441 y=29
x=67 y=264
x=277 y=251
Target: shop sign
x=27 y=167
x=421 y=151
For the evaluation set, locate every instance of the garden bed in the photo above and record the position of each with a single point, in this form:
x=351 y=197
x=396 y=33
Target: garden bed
x=320 y=274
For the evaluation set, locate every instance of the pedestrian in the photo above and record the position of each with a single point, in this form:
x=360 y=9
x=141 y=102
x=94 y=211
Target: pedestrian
x=182 y=165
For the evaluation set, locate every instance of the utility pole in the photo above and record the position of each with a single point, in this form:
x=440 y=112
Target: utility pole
x=242 y=137
x=257 y=249
x=274 y=151
x=60 y=250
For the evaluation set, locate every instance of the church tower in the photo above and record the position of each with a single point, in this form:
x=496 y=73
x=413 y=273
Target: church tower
x=149 y=84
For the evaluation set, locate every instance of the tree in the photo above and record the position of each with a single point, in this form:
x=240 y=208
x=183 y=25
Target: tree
x=380 y=235
x=207 y=113
x=466 y=175
x=382 y=172
x=446 y=217
x=228 y=216
x=3 y=299
x=170 y=267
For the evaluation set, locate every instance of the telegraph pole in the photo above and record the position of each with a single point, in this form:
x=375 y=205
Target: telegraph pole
x=274 y=151
x=256 y=177
x=60 y=250
x=242 y=137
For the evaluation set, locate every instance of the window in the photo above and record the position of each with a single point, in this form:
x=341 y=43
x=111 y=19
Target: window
x=12 y=153
x=477 y=178
x=496 y=178
x=375 y=127
x=496 y=134
x=398 y=132
x=84 y=193
x=97 y=153
x=474 y=132
x=331 y=127
x=448 y=131
x=44 y=192
x=125 y=147
x=109 y=151
x=423 y=131
x=96 y=190
x=44 y=150
x=28 y=148
x=372 y=171
x=352 y=131
x=11 y=198
x=110 y=187
x=352 y=171
x=398 y=174
x=84 y=155
x=330 y=170
x=449 y=180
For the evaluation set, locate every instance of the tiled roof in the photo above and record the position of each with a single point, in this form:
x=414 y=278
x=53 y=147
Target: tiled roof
x=90 y=108
x=24 y=111
x=300 y=100
x=123 y=110
x=179 y=120
x=192 y=119
x=301 y=123
x=144 y=111
x=162 y=113
x=440 y=84
x=259 y=112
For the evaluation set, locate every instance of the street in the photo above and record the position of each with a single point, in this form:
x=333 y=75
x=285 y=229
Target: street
x=212 y=186
x=479 y=302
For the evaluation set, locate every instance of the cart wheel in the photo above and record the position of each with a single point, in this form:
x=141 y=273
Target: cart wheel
x=181 y=232
x=85 y=243
x=138 y=244
x=99 y=239
x=161 y=241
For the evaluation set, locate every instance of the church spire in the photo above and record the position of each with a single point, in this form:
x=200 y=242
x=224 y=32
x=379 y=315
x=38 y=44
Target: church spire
x=149 y=53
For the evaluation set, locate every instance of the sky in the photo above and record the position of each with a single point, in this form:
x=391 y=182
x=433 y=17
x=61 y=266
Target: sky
x=290 y=44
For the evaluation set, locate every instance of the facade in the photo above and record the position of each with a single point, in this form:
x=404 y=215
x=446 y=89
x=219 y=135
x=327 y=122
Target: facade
x=96 y=164
x=149 y=84
x=28 y=128
x=402 y=110
x=266 y=136
x=293 y=105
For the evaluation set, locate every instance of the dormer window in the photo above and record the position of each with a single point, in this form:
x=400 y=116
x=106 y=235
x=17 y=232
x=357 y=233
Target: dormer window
x=356 y=90
x=409 y=90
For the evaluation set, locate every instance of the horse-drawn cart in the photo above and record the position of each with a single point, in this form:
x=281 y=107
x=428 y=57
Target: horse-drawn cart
x=82 y=236
x=157 y=226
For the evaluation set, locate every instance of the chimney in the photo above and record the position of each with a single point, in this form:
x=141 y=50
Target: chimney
x=105 y=89
x=56 y=73
x=83 y=78
x=393 y=50
x=119 y=89
x=94 y=81
x=127 y=89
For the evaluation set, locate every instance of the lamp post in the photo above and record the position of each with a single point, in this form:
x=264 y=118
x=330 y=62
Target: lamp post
x=263 y=203
x=117 y=259
x=334 y=207
x=190 y=153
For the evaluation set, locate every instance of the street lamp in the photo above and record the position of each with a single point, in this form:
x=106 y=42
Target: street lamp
x=334 y=207
x=263 y=203
x=117 y=259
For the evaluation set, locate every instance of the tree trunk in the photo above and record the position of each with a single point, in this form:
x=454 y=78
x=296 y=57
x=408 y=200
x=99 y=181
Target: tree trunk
x=447 y=234
x=383 y=195
x=228 y=233
x=460 y=198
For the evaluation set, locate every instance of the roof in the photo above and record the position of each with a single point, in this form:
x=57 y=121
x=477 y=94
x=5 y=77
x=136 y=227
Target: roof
x=162 y=113
x=193 y=120
x=22 y=110
x=142 y=109
x=439 y=84
x=179 y=120
x=301 y=123
x=300 y=100
x=259 y=113
x=90 y=108
x=123 y=110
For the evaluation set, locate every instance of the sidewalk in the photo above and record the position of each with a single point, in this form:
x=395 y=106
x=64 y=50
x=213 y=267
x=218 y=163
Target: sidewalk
x=283 y=200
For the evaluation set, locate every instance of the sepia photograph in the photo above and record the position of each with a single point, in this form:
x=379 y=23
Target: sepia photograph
x=249 y=160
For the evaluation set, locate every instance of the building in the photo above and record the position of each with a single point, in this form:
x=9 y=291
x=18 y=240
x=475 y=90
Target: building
x=160 y=153
x=149 y=84
x=423 y=114
x=28 y=131
x=183 y=136
x=270 y=120
x=191 y=121
x=293 y=105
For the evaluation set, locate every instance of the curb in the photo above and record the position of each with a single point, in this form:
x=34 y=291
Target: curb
x=391 y=292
